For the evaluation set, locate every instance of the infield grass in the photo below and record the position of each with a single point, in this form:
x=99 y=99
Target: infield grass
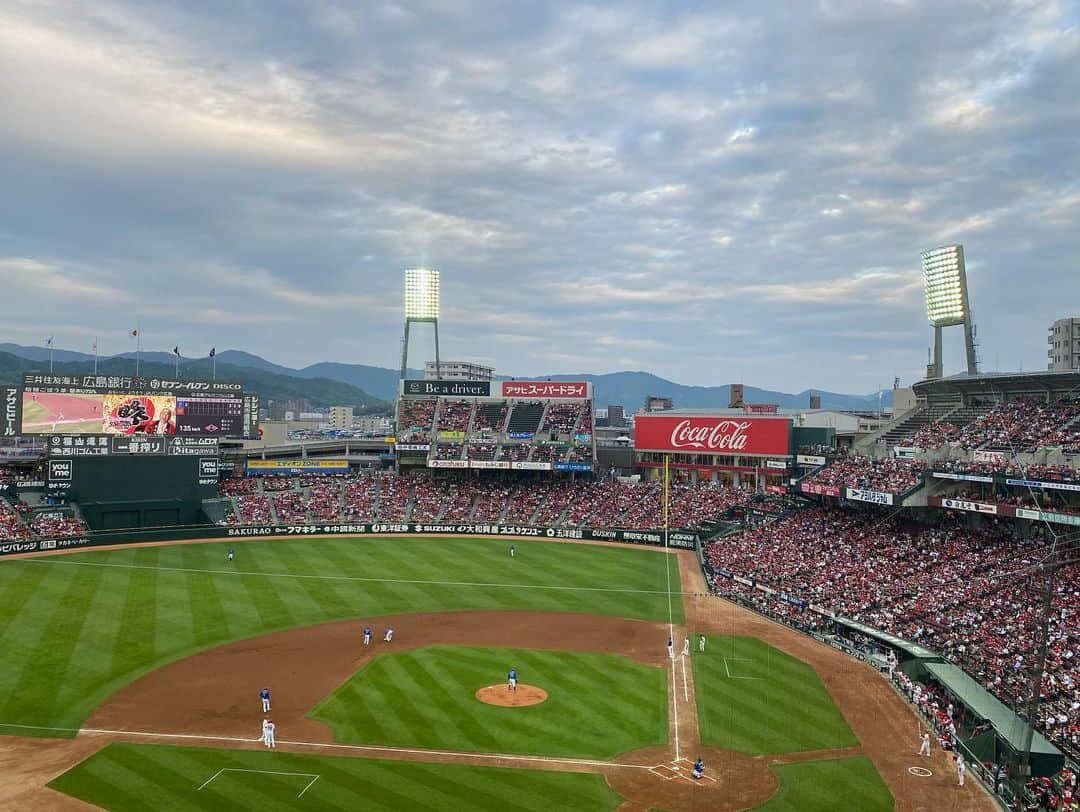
x=125 y=776
x=824 y=786
x=598 y=706
x=76 y=628
x=754 y=699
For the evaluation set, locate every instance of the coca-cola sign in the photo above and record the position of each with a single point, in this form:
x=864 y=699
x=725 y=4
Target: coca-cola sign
x=712 y=435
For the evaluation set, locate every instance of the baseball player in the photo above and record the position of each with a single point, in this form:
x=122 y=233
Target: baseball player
x=268 y=733
x=512 y=550
x=511 y=680
x=388 y=636
x=670 y=649
x=924 y=748
x=230 y=554
x=264 y=695
x=701 y=643
x=961 y=768
x=686 y=647
x=699 y=768
x=367 y=635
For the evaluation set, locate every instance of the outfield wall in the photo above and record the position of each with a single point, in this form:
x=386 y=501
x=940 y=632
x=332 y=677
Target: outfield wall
x=679 y=540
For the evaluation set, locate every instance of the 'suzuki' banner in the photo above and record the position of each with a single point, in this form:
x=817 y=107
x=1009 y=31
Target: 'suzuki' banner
x=712 y=435
x=546 y=390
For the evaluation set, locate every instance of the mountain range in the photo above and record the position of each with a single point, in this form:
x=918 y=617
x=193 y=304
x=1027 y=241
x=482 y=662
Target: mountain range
x=373 y=388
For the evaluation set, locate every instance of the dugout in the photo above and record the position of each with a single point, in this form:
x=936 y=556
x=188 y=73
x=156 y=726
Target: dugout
x=135 y=492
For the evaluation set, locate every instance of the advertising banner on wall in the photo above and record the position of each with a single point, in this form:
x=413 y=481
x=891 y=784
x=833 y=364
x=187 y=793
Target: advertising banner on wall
x=545 y=390
x=530 y=466
x=484 y=464
x=819 y=490
x=575 y=467
x=448 y=463
x=962 y=477
x=1054 y=486
x=863 y=495
x=809 y=459
x=779 y=465
x=990 y=456
x=971 y=507
x=713 y=435
x=293 y=467
x=906 y=451
x=446 y=389
x=1048 y=516
x=12 y=419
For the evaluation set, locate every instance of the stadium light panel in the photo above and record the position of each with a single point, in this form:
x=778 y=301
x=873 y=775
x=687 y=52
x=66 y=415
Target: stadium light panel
x=421 y=294
x=944 y=283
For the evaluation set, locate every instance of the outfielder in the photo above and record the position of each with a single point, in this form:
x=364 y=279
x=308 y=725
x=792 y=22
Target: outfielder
x=511 y=550
x=264 y=695
x=701 y=643
x=686 y=647
x=386 y=638
x=924 y=748
x=229 y=555
x=511 y=680
x=367 y=635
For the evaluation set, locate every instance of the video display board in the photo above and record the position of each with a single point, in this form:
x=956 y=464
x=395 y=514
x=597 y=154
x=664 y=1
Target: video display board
x=57 y=404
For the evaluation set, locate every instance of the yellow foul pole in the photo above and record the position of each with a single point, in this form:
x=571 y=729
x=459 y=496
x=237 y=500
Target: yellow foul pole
x=667 y=457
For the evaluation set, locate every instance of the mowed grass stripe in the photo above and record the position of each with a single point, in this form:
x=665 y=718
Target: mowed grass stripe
x=599 y=705
x=755 y=699
x=818 y=786
x=124 y=777
x=120 y=622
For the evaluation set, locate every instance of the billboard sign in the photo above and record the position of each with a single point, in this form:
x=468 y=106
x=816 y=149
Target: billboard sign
x=971 y=507
x=712 y=435
x=12 y=420
x=293 y=467
x=962 y=477
x=448 y=463
x=819 y=490
x=864 y=495
x=489 y=464
x=575 y=467
x=990 y=456
x=810 y=459
x=525 y=465
x=89 y=384
x=1054 y=486
x=442 y=389
x=545 y=390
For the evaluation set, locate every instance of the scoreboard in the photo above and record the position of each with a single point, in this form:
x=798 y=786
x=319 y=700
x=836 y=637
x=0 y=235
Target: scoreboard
x=132 y=406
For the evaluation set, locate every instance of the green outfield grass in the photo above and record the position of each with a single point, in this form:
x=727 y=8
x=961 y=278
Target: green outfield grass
x=598 y=706
x=34 y=412
x=125 y=776
x=824 y=786
x=755 y=699
x=76 y=628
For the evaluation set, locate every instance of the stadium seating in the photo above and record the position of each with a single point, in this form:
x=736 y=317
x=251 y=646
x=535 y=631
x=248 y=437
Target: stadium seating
x=12 y=527
x=893 y=475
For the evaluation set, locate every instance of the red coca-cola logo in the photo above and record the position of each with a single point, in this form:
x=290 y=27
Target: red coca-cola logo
x=724 y=435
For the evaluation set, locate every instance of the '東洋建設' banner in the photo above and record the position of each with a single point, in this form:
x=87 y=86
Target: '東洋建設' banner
x=713 y=435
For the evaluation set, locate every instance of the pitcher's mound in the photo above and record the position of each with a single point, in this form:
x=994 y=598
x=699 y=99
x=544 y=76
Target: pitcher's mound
x=505 y=698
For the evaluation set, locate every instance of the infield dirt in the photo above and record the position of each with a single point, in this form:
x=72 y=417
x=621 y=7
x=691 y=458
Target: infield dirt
x=215 y=693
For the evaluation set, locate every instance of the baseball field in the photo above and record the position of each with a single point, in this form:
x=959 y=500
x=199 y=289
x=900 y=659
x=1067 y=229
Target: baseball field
x=134 y=673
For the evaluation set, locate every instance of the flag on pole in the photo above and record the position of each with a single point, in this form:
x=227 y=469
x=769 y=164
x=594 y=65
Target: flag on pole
x=134 y=333
x=48 y=341
x=213 y=351
x=94 y=348
x=176 y=350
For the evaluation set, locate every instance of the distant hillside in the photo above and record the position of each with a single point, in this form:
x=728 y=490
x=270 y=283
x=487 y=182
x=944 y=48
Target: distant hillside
x=628 y=389
x=320 y=392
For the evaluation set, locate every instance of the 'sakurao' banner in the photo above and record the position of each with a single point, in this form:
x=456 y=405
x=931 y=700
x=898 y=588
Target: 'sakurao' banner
x=546 y=390
x=713 y=435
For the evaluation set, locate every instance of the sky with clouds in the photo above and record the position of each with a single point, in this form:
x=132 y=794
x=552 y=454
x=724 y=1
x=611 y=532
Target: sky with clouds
x=710 y=192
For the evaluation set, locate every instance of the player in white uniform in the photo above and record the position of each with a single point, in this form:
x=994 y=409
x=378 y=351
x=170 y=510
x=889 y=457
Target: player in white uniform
x=701 y=643
x=268 y=734
x=924 y=748
x=388 y=636
x=960 y=769
x=670 y=649
x=686 y=647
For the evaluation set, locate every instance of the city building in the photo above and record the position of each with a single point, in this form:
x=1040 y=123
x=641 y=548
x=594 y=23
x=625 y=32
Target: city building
x=616 y=416
x=654 y=403
x=373 y=425
x=458 y=371
x=1064 y=343
x=341 y=417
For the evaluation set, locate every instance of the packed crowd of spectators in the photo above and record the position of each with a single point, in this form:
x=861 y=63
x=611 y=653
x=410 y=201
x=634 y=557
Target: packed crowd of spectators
x=423 y=498
x=1009 y=468
x=1022 y=425
x=562 y=418
x=56 y=525
x=893 y=475
x=454 y=415
x=12 y=527
x=415 y=418
x=968 y=595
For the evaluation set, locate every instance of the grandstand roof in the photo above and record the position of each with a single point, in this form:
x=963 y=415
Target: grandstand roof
x=1000 y=383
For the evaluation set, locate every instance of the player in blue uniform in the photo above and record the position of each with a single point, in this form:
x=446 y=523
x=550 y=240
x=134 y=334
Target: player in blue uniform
x=670 y=649
x=699 y=768
x=511 y=680
x=367 y=635
x=264 y=695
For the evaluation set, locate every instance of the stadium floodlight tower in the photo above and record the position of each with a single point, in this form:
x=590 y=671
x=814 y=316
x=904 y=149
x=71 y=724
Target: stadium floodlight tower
x=947 y=305
x=421 y=305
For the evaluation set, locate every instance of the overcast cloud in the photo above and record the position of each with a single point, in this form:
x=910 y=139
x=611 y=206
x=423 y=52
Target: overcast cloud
x=723 y=193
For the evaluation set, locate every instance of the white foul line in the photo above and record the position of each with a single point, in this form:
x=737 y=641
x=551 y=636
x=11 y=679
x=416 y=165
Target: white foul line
x=58 y=561
x=363 y=748
x=685 y=690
